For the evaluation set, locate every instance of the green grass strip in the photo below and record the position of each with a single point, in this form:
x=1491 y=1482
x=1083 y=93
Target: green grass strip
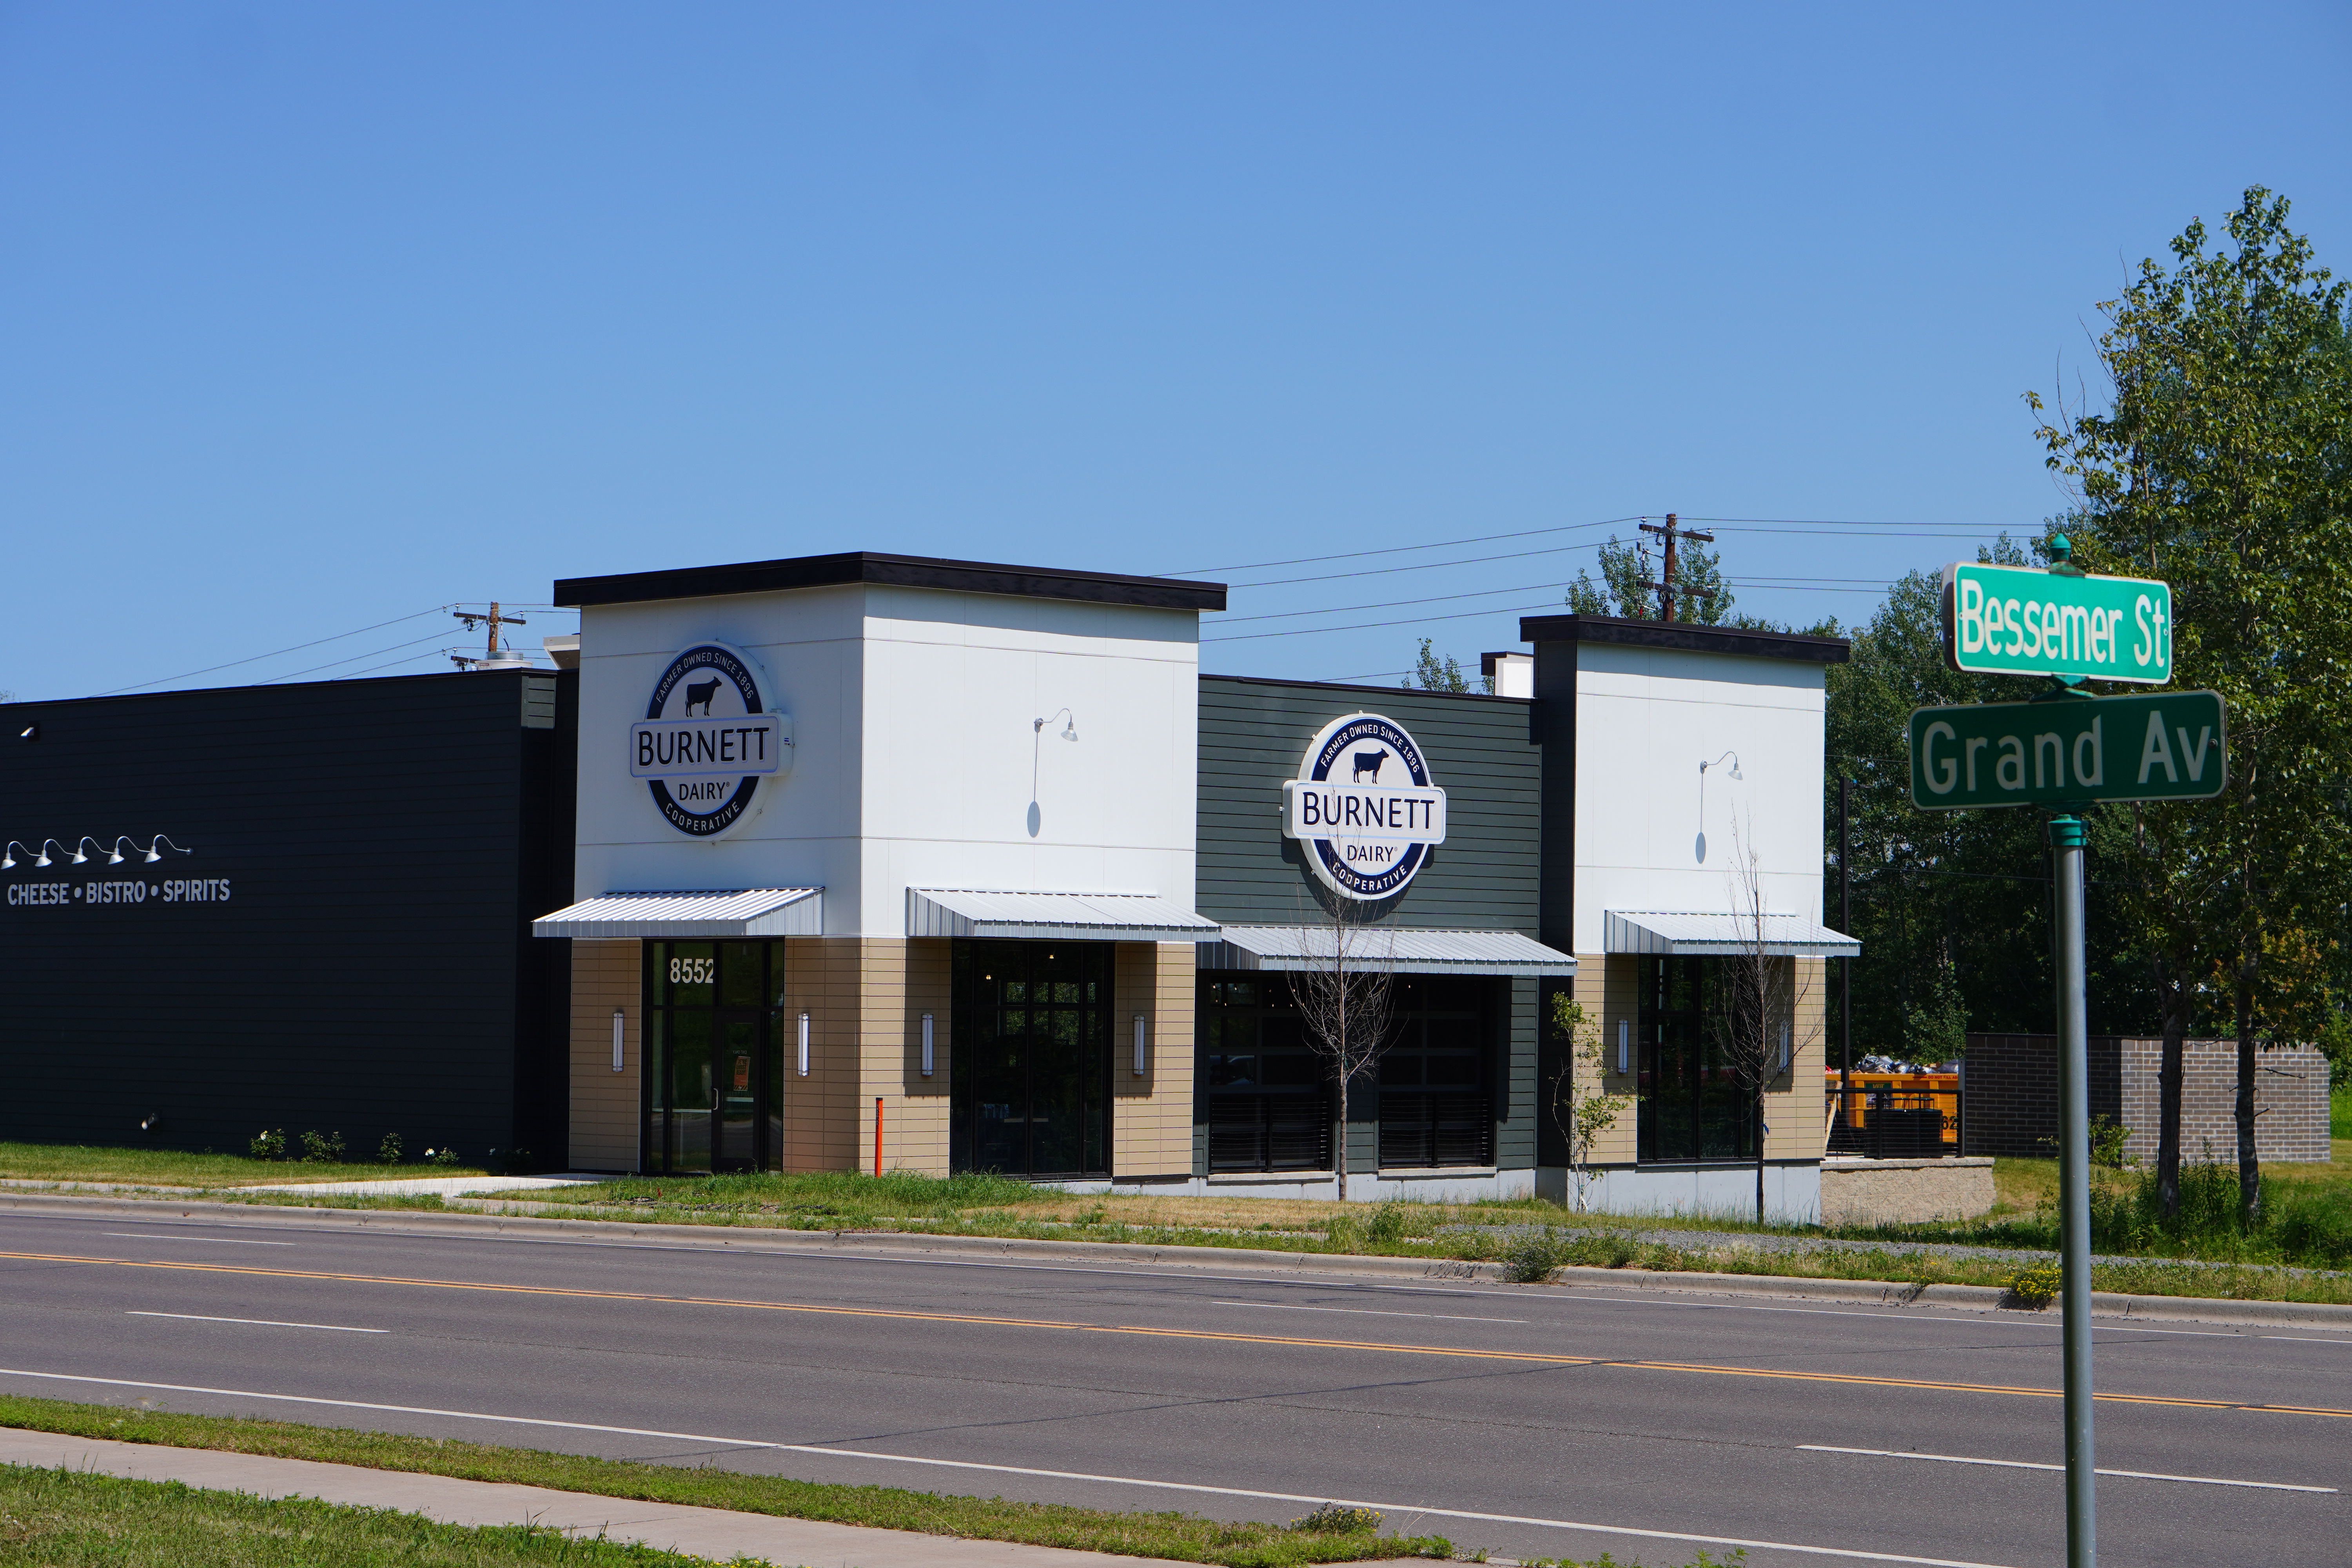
x=1180 y=1537
x=65 y=1519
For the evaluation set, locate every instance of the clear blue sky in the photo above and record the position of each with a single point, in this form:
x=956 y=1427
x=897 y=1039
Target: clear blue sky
x=315 y=316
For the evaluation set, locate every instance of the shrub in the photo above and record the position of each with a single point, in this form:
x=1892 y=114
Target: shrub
x=1338 y=1519
x=2037 y=1285
x=440 y=1156
x=322 y=1148
x=1347 y=1233
x=1388 y=1227
x=1533 y=1257
x=388 y=1151
x=267 y=1144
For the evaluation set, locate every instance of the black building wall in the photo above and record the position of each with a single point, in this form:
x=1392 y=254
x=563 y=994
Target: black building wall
x=1485 y=877
x=373 y=850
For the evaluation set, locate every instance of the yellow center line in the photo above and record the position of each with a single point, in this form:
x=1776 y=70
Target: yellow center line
x=1537 y=1358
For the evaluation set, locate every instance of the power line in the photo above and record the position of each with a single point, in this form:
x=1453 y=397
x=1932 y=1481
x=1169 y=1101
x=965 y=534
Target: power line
x=1849 y=528
x=1400 y=549
x=412 y=658
x=1392 y=604
x=258 y=657
x=330 y=664
x=1419 y=566
x=1368 y=625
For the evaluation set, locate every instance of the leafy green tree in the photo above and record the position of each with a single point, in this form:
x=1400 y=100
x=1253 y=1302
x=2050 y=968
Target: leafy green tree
x=2223 y=465
x=1435 y=674
x=1627 y=571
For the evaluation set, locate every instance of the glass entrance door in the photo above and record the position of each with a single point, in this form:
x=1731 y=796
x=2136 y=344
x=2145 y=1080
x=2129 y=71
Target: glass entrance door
x=1032 y=1033
x=714 y=1083
x=734 y=1092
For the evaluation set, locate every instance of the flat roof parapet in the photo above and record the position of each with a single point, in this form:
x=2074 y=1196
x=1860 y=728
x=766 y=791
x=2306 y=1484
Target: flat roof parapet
x=893 y=571
x=1685 y=636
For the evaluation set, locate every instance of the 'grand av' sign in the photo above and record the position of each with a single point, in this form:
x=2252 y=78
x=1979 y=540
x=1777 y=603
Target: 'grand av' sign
x=707 y=741
x=1363 y=807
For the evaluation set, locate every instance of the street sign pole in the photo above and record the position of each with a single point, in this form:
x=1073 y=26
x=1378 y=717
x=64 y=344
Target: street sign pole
x=2066 y=835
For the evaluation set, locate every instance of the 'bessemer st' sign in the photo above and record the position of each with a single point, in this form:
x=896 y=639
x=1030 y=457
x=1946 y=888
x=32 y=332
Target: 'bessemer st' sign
x=2025 y=620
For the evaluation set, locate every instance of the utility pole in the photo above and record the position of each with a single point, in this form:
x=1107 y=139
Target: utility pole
x=493 y=621
x=1670 y=533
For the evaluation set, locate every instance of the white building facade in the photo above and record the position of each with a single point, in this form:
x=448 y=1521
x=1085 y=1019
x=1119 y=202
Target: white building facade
x=885 y=863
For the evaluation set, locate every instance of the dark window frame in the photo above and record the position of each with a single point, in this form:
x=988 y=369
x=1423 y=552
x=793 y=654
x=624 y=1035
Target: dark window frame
x=727 y=990
x=993 y=995
x=1690 y=1108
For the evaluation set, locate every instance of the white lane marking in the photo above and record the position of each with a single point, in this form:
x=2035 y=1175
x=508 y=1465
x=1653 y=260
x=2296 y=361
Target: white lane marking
x=2307 y=1340
x=1931 y=1313
x=220 y=1240
x=1365 y=1312
x=2028 y=1465
x=1402 y=1508
x=258 y=1322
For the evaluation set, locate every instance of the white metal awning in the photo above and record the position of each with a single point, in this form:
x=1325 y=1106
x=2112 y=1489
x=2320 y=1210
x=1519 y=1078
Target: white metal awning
x=1090 y=917
x=744 y=913
x=1670 y=934
x=1405 y=951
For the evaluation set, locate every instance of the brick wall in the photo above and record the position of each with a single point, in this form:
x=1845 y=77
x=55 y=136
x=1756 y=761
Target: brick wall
x=2290 y=1101
x=2011 y=1089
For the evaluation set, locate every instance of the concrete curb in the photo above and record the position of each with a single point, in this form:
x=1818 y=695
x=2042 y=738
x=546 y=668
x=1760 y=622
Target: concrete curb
x=1851 y=1293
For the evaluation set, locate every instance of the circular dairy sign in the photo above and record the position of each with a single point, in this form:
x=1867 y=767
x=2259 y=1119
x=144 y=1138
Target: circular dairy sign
x=1363 y=807
x=707 y=741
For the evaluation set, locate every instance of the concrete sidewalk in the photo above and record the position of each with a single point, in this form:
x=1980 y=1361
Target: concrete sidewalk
x=715 y=1533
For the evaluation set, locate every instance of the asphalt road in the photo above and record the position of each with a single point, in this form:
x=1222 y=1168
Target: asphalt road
x=1504 y=1417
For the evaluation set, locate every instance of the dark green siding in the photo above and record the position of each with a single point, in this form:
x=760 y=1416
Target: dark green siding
x=1484 y=877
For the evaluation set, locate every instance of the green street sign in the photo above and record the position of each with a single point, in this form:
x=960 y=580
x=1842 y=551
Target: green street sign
x=2026 y=620
x=2170 y=745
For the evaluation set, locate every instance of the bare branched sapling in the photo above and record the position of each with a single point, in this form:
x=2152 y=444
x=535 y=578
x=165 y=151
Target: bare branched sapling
x=1579 y=1109
x=1345 y=1003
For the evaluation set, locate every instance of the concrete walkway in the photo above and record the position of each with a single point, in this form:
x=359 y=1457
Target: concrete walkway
x=393 y=1186
x=715 y=1533
x=443 y=1186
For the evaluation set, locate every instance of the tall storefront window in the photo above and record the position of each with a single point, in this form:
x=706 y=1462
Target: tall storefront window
x=1032 y=1060
x=714 y=1083
x=1262 y=1091
x=1692 y=1107
x=1437 y=1107
x=1265 y=1095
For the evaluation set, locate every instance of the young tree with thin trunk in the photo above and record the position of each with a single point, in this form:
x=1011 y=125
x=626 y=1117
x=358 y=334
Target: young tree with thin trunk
x=1755 y=999
x=1345 y=1001
x=1580 y=1108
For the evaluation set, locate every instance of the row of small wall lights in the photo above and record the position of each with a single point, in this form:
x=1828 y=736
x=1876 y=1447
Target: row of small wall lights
x=619 y=1026
x=79 y=857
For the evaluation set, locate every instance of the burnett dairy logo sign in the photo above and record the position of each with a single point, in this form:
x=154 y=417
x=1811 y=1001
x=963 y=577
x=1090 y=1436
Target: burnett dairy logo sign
x=707 y=741
x=1363 y=807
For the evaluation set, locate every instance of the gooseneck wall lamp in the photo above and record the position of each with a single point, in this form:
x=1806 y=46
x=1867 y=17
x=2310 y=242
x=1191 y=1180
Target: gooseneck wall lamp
x=76 y=856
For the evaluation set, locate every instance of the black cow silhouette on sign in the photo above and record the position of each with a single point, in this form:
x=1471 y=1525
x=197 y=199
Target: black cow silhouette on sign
x=701 y=691
x=1368 y=763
